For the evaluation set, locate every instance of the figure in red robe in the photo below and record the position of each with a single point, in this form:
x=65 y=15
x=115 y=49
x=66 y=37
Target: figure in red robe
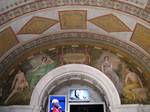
x=56 y=106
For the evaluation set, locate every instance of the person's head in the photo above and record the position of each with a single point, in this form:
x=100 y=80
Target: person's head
x=106 y=58
x=44 y=59
x=55 y=103
x=127 y=70
x=19 y=71
x=77 y=93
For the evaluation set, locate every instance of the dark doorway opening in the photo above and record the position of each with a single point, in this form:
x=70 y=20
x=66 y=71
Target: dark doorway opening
x=87 y=108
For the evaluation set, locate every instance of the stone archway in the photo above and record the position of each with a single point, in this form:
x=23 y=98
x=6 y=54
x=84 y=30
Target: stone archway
x=88 y=73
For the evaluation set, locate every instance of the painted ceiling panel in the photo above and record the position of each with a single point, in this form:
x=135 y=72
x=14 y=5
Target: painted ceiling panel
x=110 y=23
x=7 y=40
x=75 y=19
x=141 y=37
x=37 y=25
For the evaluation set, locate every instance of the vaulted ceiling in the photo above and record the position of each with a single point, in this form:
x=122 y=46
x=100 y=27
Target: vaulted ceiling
x=29 y=27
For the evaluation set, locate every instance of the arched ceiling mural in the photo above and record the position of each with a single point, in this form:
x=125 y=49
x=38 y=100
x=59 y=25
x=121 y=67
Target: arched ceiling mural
x=58 y=31
x=34 y=19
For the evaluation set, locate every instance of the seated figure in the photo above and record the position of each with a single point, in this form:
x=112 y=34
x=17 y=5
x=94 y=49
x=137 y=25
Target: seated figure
x=133 y=89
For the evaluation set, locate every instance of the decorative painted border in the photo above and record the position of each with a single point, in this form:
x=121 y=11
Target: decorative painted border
x=93 y=38
x=43 y=4
x=14 y=4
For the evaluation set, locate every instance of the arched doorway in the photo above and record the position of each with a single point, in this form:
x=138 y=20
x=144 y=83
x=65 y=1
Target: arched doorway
x=76 y=73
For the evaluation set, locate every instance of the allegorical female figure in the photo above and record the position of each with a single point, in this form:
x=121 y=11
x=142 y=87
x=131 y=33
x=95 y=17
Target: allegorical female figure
x=18 y=85
x=133 y=88
x=107 y=69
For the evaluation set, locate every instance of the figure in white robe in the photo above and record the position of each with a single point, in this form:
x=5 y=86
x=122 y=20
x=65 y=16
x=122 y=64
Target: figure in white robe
x=107 y=69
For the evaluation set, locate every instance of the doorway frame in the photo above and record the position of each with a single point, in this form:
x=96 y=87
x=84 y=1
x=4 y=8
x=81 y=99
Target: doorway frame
x=93 y=75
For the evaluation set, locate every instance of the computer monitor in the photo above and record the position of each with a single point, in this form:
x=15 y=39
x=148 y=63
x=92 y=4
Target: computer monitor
x=86 y=107
x=79 y=95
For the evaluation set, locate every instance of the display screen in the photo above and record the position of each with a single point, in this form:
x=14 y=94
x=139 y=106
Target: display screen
x=79 y=95
x=87 y=108
x=57 y=104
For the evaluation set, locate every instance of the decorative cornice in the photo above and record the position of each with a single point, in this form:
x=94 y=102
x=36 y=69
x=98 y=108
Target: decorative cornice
x=13 y=4
x=43 y=4
x=91 y=38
